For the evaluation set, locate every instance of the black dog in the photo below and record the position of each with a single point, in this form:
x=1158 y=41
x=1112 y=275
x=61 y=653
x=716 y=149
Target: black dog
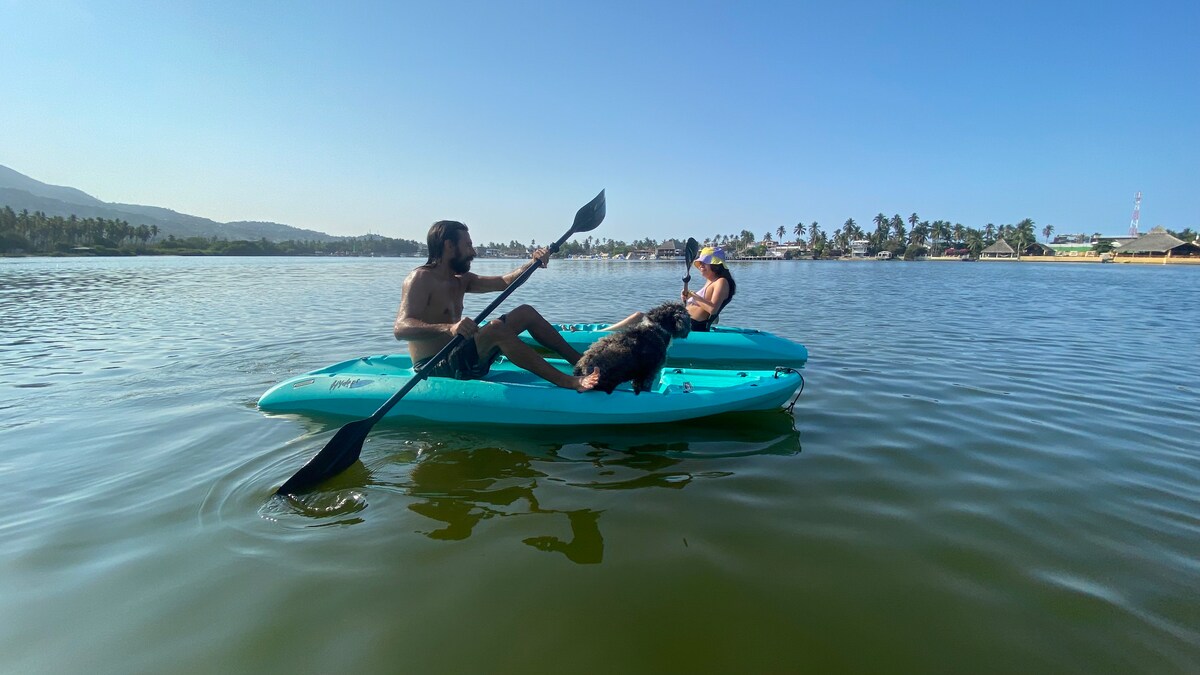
x=638 y=353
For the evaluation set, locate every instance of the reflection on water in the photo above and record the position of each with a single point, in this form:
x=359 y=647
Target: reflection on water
x=461 y=479
x=462 y=488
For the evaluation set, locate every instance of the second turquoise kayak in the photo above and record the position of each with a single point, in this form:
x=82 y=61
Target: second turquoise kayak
x=719 y=348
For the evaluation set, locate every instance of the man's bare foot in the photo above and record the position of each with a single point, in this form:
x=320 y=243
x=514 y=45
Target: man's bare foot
x=589 y=381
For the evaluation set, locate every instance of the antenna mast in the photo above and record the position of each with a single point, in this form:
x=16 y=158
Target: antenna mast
x=1137 y=209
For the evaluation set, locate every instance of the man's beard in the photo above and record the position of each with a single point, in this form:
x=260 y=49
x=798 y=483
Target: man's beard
x=461 y=264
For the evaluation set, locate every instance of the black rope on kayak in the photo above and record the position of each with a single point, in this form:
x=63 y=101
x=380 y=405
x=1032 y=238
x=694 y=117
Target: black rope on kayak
x=783 y=370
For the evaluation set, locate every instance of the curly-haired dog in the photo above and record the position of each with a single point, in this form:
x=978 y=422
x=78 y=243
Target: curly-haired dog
x=638 y=353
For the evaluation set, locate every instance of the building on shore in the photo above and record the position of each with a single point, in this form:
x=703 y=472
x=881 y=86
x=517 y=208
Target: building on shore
x=794 y=250
x=668 y=249
x=1157 y=243
x=1000 y=249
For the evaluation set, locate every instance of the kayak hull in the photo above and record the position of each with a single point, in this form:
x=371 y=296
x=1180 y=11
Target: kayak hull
x=512 y=396
x=719 y=348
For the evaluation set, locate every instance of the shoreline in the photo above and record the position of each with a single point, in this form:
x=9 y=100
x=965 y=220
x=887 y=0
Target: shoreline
x=1156 y=260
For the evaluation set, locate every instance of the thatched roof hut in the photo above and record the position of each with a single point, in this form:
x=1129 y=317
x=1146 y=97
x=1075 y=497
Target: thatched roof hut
x=1157 y=242
x=1000 y=249
x=1036 y=249
x=668 y=249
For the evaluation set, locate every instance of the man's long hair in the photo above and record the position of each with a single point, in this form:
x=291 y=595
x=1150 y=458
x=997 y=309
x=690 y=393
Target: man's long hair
x=439 y=233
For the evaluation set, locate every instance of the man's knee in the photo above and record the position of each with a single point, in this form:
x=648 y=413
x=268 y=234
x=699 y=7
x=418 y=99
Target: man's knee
x=522 y=317
x=495 y=334
x=525 y=312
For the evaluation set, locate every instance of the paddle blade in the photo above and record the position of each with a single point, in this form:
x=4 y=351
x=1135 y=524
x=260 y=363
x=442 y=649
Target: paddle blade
x=690 y=250
x=338 y=454
x=590 y=215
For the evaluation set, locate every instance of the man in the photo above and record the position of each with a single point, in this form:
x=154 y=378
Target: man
x=431 y=315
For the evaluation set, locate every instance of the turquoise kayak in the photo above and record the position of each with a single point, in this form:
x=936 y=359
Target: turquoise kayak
x=513 y=396
x=719 y=348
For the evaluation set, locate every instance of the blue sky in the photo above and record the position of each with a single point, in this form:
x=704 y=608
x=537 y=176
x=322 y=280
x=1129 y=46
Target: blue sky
x=698 y=117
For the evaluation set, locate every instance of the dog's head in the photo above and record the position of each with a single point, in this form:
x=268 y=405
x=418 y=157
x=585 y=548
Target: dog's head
x=671 y=317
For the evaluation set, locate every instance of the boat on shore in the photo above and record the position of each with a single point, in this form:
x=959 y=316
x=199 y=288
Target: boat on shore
x=721 y=347
x=512 y=396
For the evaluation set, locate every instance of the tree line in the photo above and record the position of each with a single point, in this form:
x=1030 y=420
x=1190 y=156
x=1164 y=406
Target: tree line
x=901 y=237
x=38 y=234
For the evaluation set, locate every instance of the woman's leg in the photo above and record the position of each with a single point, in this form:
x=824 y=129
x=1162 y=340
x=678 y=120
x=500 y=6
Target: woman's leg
x=526 y=318
x=504 y=335
x=631 y=320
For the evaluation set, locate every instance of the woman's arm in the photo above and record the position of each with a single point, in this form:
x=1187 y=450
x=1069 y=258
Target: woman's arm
x=719 y=293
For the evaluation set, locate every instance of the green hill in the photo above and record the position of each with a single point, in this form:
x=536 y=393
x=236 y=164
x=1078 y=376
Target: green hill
x=20 y=192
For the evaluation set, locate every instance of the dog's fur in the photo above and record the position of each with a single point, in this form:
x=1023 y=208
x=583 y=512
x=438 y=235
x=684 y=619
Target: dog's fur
x=638 y=353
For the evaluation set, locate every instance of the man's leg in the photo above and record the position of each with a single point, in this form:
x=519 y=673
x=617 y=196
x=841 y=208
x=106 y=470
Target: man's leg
x=526 y=318
x=501 y=334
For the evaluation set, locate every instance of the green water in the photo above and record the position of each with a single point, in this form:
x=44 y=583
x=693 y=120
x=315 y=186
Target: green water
x=993 y=468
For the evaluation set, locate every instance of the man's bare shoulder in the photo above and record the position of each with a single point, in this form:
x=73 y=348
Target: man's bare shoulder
x=419 y=273
x=421 y=277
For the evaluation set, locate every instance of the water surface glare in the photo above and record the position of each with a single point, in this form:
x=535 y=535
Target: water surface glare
x=993 y=468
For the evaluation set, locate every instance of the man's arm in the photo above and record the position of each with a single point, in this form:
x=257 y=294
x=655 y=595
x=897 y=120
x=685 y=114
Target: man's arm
x=413 y=305
x=478 y=284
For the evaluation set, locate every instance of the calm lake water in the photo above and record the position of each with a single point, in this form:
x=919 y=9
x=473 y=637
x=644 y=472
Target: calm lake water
x=993 y=468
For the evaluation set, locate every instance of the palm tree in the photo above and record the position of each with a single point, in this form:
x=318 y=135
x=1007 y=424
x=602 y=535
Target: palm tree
x=974 y=242
x=798 y=230
x=747 y=238
x=1025 y=234
x=913 y=220
x=1047 y=231
x=881 y=230
x=881 y=224
x=781 y=231
x=918 y=234
x=897 y=226
x=941 y=232
x=849 y=227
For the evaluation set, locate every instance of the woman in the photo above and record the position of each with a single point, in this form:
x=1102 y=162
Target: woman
x=703 y=306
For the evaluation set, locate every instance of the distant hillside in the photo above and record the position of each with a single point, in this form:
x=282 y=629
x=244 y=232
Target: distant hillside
x=19 y=181
x=20 y=192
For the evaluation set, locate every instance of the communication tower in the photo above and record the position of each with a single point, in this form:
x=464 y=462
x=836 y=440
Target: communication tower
x=1137 y=209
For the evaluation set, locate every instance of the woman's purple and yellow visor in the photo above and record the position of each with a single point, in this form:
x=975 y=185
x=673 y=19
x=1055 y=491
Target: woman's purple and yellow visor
x=711 y=255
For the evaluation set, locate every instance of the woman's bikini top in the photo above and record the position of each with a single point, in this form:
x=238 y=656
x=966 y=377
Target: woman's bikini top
x=712 y=315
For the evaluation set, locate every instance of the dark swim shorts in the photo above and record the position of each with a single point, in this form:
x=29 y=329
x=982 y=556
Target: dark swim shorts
x=463 y=362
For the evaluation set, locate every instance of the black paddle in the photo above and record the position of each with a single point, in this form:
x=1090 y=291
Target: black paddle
x=346 y=445
x=690 y=249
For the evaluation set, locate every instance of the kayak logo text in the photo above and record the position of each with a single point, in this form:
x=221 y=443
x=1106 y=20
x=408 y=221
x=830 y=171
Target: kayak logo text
x=348 y=383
